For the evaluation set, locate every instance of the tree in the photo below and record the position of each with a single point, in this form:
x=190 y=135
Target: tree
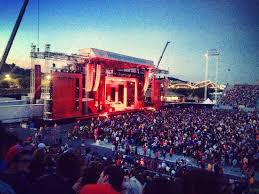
x=24 y=82
x=4 y=84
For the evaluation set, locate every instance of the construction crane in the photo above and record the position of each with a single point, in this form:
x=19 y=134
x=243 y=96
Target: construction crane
x=158 y=63
x=155 y=82
x=15 y=29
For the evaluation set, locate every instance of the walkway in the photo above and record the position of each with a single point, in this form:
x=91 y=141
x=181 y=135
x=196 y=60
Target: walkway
x=190 y=161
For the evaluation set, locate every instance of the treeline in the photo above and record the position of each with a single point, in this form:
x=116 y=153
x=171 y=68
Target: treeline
x=19 y=77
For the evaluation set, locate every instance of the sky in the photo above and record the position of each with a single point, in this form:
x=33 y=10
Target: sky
x=140 y=28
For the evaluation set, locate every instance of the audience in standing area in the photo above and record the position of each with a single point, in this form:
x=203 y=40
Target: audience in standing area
x=214 y=138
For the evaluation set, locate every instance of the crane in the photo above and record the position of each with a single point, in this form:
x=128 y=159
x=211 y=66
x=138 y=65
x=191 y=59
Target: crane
x=160 y=58
x=154 y=82
x=15 y=29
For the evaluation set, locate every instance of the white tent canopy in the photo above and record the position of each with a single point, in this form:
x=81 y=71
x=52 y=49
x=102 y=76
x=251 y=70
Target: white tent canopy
x=208 y=101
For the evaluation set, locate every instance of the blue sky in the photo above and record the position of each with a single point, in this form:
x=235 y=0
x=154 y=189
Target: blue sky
x=141 y=28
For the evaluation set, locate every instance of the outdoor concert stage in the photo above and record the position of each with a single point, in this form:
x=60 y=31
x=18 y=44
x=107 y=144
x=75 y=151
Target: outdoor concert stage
x=104 y=83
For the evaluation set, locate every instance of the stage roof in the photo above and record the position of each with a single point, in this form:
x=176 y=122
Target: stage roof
x=101 y=54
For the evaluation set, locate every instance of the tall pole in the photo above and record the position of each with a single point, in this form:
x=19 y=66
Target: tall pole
x=15 y=29
x=206 y=75
x=213 y=53
x=32 y=83
x=216 y=80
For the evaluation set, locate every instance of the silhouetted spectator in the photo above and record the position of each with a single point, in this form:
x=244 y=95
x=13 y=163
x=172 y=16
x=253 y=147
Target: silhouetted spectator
x=68 y=169
x=109 y=182
x=17 y=166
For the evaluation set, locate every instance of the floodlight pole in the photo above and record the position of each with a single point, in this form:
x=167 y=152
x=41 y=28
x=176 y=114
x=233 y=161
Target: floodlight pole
x=206 y=75
x=215 y=53
x=216 y=80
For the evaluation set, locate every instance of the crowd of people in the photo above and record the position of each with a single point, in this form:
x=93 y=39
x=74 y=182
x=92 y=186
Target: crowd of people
x=246 y=95
x=217 y=137
x=31 y=168
x=214 y=138
x=28 y=167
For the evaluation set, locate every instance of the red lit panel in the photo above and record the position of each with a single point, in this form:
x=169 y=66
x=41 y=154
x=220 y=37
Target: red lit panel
x=66 y=95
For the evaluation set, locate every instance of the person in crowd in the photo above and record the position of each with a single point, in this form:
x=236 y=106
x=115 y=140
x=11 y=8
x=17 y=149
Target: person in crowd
x=17 y=167
x=37 y=166
x=160 y=185
x=92 y=173
x=132 y=186
x=7 y=140
x=5 y=188
x=202 y=182
x=67 y=173
x=109 y=182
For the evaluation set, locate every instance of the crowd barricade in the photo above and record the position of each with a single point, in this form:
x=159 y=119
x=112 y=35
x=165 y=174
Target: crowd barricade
x=246 y=109
x=222 y=107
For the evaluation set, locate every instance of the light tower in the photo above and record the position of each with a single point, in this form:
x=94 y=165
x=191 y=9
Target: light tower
x=46 y=53
x=208 y=54
x=32 y=81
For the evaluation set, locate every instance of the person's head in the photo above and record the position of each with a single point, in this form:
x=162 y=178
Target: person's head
x=112 y=175
x=18 y=159
x=201 y=182
x=87 y=150
x=132 y=186
x=37 y=164
x=91 y=175
x=68 y=166
x=159 y=185
x=41 y=146
x=39 y=154
x=7 y=139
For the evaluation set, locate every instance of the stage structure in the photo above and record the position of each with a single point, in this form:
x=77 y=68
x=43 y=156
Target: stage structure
x=95 y=82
